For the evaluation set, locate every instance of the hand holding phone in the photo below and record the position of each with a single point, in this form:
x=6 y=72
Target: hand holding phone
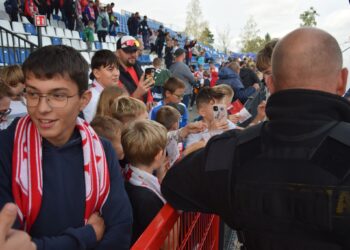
x=220 y=112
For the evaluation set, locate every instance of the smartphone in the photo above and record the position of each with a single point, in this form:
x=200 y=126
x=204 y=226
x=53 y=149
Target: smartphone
x=149 y=73
x=220 y=112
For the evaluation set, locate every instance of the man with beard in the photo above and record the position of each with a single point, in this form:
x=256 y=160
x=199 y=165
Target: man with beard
x=131 y=75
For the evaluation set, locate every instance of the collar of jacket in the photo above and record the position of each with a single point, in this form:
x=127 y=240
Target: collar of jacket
x=304 y=104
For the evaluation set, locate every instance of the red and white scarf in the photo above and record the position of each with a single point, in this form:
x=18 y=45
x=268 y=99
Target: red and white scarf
x=27 y=177
x=141 y=178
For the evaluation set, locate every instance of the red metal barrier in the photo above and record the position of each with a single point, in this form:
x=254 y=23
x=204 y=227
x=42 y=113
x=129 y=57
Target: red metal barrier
x=175 y=230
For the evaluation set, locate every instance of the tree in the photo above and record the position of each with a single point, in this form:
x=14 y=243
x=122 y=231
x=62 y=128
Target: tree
x=224 y=39
x=194 y=19
x=267 y=38
x=308 y=18
x=206 y=37
x=250 y=39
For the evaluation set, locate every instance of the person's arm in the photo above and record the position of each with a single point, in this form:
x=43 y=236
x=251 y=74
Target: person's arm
x=117 y=211
x=188 y=75
x=198 y=182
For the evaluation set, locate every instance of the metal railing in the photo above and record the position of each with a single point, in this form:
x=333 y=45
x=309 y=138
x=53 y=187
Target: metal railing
x=173 y=230
x=14 y=48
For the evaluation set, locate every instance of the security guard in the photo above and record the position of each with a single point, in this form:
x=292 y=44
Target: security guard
x=284 y=183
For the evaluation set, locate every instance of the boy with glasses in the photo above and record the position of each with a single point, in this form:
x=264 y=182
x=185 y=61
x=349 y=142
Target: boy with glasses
x=173 y=93
x=64 y=179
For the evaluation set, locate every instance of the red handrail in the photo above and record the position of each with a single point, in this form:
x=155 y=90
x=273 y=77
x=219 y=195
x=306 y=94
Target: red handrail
x=180 y=231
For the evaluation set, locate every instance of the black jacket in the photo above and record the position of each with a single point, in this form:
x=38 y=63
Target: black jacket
x=248 y=77
x=282 y=184
x=127 y=80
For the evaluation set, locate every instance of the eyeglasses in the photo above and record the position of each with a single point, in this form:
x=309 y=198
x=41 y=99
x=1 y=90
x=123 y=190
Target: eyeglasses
x=5 y=113
x=130 y=43
x=54 y=100
x=179 y=96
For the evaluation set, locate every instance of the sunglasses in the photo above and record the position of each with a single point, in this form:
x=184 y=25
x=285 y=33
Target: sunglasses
x=130 y=43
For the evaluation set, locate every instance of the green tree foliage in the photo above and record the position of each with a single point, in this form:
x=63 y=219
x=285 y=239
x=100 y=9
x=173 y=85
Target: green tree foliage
x=308 y=18
x=206 y=37
x=250 y=40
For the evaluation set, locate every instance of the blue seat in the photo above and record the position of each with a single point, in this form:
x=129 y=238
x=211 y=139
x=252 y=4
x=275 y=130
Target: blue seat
x=22 y=55
x=7 y=56
x=98 y=45
x=30 y=28
x=56 y=40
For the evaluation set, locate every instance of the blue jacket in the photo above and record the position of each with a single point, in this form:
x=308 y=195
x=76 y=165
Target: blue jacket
x=60 y=223
x=229 y=77
x=183 y=119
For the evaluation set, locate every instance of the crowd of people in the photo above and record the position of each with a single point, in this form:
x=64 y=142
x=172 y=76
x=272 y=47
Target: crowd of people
x=90 y=160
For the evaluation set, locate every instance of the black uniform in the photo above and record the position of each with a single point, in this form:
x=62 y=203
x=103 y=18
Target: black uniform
x=283 y=184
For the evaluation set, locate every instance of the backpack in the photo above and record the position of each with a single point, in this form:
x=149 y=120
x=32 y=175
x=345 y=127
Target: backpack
x=8 y=7
x=104 y=22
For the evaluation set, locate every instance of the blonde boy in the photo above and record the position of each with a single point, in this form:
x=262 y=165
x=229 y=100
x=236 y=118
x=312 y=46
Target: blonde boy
x=127 y=109
x=144 y=143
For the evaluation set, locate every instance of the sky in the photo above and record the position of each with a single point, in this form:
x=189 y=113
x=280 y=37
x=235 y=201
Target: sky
x=277 y=17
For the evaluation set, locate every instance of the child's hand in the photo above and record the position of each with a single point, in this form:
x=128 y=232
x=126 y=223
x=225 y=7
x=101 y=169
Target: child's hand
x=193 y=128
x=220 y=125
x=194 y=147
x=234 y=118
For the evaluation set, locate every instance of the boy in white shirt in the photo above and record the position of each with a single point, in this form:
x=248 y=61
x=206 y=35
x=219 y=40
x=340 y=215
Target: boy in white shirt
x=205 y=101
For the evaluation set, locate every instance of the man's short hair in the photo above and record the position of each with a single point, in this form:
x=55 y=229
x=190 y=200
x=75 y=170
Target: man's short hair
x=263 y=59
x=12 y=75
x=5 y=90
x=225 y=89
x=58 y=60
x=168 y=116
x=207 y=95
x=107 y=97
x=142 y=141
x=107 y=127
x=103 y=58
x=172 y=84
x=127 y=109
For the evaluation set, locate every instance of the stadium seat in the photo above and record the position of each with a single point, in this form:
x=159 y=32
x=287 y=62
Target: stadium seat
x=60 y=33
x=22 y=54
x=76 y=44
x=30 y=28
x=7 y=56
x=50 y=31
x=86 y=56
x=56 y=40
x=66 y=41
x=33 y=39
x=18 y=28
x=68 y=33
x=108 y=39
x=83 y=45
x=75 y=34
x=6 y=40
x=98 y=45
x=5 y=24
x=4 y=15
x=46 y=41
x=112 y=47
x=25 y=20
x=54 y=23
x=105 y=46
x=61 y=25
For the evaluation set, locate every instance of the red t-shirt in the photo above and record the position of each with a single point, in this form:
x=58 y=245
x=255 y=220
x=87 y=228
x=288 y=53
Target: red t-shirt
x=135 y=78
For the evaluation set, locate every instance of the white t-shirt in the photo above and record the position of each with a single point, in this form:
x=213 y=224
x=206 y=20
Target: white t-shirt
x=90 y=109
x=206 y=134
x=18 y=109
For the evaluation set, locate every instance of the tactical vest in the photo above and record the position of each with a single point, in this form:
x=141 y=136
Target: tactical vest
x=292 y=192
